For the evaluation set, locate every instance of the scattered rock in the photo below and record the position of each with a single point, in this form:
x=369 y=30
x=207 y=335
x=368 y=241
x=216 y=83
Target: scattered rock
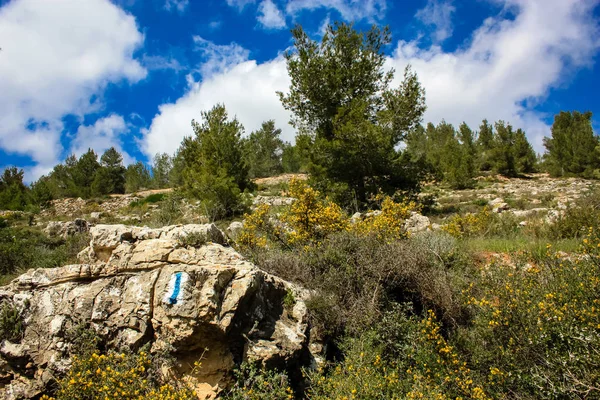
x=234 y=229
x=498 y=205
x=273 y=200
x=417 y=223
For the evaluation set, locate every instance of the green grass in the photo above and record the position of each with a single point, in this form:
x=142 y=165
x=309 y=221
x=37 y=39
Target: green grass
x=521 y=243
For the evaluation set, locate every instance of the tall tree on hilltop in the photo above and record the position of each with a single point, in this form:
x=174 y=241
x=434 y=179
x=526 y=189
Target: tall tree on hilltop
x=525 y=157
x=263 y=149
x=83 y=172
x=341 y=101
x=485 y=145
x=13 y=192
x=213 y=167
x=162 y=164
x=137 y=176
x=503 y=157
x=573 y=148
x=110 y=178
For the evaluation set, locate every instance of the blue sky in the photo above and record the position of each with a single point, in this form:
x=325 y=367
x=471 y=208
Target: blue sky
x=132 y=74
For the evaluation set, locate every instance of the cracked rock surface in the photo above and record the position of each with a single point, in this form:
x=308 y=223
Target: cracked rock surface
x=137 y=286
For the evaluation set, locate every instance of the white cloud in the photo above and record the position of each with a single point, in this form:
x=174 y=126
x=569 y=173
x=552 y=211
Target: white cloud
x=438 y=13
x=239 y=4
x=270 y=16
x=177 y=5
x=248 y=92
x=506 y=63
x=104 y=134
x=218 y=58
x=350 y=10
x=56 y=57
x=156 y=62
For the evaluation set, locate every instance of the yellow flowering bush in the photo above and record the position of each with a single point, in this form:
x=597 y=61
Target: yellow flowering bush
x=537 y=326
x=310 y=217
x=389 y=223
x=116 y=376
x=256 y=228
x=307 y=220
x=401 y=358
x=469 y=224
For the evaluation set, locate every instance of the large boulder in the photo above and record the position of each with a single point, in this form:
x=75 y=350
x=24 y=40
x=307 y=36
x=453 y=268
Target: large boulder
x=143 y=286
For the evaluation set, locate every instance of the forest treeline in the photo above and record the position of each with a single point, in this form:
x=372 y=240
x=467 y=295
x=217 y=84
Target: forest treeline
x=356 y=136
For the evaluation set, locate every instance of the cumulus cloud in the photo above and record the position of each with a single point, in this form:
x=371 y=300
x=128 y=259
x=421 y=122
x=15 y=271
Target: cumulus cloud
x=48 y=71
x=269 y=16
x=507 y=63
x=177 y=5
x=248 y=92
x=494 y=75
x=350 y=10
x=438 y=14
x=103 y=134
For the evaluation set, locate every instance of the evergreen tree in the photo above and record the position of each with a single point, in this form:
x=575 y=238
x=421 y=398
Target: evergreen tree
x=213 y=167
x=161 y=169
x=525 y=157
x=263 y=150
x=341 y=101
x=502 y=156
x=137 y=176
x=485 y=145
x=291 y=161
x=13 y=192
x=83 y=173
x=469 y=149
x=573 y=148
x=110 y=178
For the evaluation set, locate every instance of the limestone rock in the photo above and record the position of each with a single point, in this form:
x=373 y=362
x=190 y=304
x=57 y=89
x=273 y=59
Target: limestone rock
x=417 y=223
x=234 y=229
x=65 y=229
x=144 y=286
x=498 y=205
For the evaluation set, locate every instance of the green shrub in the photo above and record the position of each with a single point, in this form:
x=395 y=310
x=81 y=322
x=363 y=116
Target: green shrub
x=170 y=210
x=24 y=247
x=255 y=383
x=12 y=326
x=194 y=239
x=354 y=278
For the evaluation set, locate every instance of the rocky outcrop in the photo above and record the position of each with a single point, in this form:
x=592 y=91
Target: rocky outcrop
x=68 y=228
x=142 y=286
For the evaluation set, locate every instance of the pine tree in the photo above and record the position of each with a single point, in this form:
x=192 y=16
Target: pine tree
x=341 y=101
x=161 y=169
x=83 y=172
x=573 y=149
x=485 y=145
x=525 y=157
x=502 y=156
x=262 y=150
x=110 y=178
x=214 y=170
x=137 y=176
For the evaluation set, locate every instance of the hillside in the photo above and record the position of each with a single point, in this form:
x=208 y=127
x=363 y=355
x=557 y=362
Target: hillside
x=459 y=292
